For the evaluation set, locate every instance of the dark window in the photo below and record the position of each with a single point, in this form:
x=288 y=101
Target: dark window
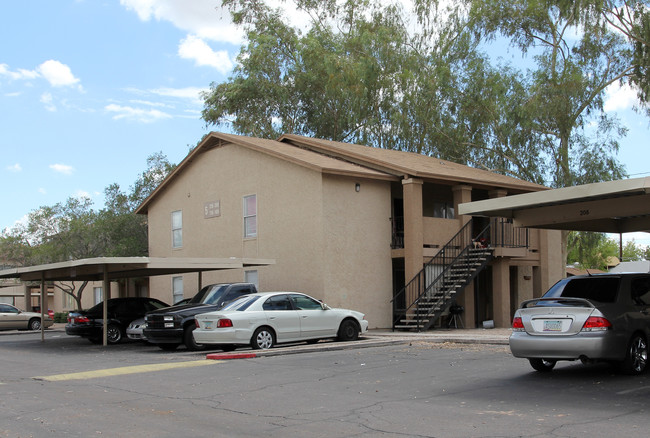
x=641 y=291
x=601 y=289
x=305 y=303
x=277 y=302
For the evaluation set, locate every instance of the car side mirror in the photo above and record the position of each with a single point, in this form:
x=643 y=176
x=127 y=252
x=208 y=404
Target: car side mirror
x=325 y=306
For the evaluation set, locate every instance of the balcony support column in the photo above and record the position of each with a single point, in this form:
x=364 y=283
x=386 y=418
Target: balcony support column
x=413 y=230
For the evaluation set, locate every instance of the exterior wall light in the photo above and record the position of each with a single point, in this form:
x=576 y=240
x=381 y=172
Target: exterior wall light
x=357 y=187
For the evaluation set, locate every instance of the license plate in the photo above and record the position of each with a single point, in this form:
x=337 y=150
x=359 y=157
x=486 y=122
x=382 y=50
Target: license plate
x=207 y=325
x=552 y=326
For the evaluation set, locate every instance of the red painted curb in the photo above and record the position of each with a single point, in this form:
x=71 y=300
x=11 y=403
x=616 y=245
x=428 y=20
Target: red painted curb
x=217 y=356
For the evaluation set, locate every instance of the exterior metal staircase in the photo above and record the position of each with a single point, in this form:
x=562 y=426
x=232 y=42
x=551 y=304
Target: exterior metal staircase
x=434 y=289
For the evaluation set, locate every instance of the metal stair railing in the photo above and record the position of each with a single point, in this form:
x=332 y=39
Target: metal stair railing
x=452 y=268
x=455 y=265
x=415 y=289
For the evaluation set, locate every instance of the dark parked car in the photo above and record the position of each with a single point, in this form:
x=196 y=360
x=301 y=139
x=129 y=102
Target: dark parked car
x=173 y=326
x=603 y=317
x=120 y=311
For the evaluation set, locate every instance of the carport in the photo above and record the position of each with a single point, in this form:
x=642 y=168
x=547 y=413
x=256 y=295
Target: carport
x=621 y=206
x=107 y=269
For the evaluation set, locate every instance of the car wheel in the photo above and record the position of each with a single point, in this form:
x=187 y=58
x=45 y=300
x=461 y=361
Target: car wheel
x=189 y=341
x=262 y=339
x=542 y=365
x=34 y=324
x=636 y=359
x=113 y=334
x=348 y=331
x=168 y=347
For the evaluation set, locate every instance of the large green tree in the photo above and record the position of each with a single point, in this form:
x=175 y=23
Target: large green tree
x=359 y=72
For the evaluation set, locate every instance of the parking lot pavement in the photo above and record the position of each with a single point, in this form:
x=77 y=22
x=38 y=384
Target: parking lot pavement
x=377 y=338
x=373 y=338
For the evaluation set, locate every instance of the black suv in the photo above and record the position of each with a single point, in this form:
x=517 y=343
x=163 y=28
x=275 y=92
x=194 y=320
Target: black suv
x=120 y=311
x=173 y=326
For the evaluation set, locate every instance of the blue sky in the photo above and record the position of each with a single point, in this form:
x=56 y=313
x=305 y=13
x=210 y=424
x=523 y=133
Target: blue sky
x=90 y=88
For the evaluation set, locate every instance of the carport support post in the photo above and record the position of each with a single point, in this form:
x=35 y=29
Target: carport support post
x=42 y=307
x=106 y=291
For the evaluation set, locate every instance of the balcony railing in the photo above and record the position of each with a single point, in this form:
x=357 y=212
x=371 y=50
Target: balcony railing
x=503 y=234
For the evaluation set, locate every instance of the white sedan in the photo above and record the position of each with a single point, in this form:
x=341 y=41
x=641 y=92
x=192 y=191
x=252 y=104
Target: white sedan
x=264 y=319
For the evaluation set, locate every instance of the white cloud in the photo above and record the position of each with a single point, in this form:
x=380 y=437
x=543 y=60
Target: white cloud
x=136 y=114
x=18 y=74
x=80 y=194
x=194 y=48
x=190 y=93
x=46 y=99
x=15 y=168
x=62 y=168
x=619 y=97
x=57 y=74
x=42 y=191
x=204 y=18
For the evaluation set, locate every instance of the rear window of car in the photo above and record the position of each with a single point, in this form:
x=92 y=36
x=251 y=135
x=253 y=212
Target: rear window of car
x=241 y=303
x=601 y=289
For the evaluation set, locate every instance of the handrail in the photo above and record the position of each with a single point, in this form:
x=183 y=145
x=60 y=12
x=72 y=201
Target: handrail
x=498 y=233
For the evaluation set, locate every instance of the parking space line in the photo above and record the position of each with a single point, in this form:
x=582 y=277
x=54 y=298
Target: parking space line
x=125 y=370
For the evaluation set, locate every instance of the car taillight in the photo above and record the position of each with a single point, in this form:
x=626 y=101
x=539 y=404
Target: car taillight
x=517 y=324
x=596 y=324
x=222 y=323
x=79 y=319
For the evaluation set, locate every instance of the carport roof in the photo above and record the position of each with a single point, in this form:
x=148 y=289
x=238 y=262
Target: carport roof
x=621 y=206
x=125 y=267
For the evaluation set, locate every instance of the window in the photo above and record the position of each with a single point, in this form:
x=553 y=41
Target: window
x=177 y=289
x=302 y=302
x=177 y=229
x=443 y=210
x=250 y=216
x=251 y=277
x=68 y=301
x=278 y=302
x=97 y=294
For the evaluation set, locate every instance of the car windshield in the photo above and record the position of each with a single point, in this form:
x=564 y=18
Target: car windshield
x=601 y=289
x=241 y=303
x=208 y=295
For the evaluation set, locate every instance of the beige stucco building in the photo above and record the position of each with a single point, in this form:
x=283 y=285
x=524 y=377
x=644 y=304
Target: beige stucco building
x=345 y=223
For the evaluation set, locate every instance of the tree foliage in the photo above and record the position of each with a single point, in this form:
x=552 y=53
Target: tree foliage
x=359 y=73
x=362 y=72
x=73 y=229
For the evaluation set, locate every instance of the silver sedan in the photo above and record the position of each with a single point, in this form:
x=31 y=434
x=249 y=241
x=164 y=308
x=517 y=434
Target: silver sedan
x=590 y=318
x=12 y=318
x=264 y=319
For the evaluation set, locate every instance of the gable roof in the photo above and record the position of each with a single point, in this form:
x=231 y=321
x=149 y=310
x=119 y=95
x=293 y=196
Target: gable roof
x=401 y=163
x=285 y=151
x=336 y=158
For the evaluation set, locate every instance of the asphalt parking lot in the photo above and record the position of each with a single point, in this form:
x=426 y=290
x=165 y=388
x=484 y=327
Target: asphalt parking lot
x=422 y=386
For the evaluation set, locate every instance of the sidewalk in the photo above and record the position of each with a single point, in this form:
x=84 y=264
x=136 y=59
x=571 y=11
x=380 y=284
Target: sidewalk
x=497 y=336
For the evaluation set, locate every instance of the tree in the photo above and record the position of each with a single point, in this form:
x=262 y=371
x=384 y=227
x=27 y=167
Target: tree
x=74 y=230
x=361 y=73
x=631 y=19
x=590 y=250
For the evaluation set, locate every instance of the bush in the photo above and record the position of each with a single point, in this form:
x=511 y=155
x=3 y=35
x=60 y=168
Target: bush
x=61 y=317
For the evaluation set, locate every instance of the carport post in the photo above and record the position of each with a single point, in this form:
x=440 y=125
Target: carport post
x=107 y=294
x=42 y=307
